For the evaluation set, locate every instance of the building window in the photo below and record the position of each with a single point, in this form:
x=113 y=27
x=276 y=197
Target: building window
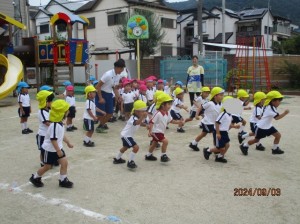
x=166 y=50
x=44 y=28
x=116 y=19
x=249 y=28
x=168 y=23
x=61 y=27
x=92 y=24
x=270 y=30
x=189 y=32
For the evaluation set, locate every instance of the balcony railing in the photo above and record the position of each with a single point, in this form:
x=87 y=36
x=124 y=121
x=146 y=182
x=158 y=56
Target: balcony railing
x=281 y=29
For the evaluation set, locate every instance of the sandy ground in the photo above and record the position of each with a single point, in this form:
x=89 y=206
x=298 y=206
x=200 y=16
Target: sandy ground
x=188 y=189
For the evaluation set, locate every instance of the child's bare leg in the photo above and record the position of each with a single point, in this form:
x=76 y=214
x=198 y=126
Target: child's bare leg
x=164 y=146
x=132 y=154
x=199 y=137
x=242 y=128
x=152 y=146
x=275 y=148
x=69 y=121
x=277 y=136
x=188 y=119
x=43 y=170
x=63 y=165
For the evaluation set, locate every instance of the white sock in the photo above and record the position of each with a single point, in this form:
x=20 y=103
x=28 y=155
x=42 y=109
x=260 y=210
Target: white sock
x=69 y=125
x=220 y=155
x=245 y=136
x=23 y=126
x=275 y=146
x=26 y=126
x=62 y=177
x=258 y=143
x=246 y=144
x=149 y=154
x=208 y=150
x=163 y=153
x=87 y=139
x=36 y=176
x=131 y=156
x=194 y=142
x=242 y=128
x=119 y=155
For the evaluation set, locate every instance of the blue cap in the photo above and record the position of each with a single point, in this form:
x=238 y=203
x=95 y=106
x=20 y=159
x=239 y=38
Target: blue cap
x=92 y=78
x=95 y=82
x=47 y=88
x=22 y=85
x=67 y=83
x=179 y=83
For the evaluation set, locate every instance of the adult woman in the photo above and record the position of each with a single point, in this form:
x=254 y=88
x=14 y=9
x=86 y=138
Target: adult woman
x=195 y=79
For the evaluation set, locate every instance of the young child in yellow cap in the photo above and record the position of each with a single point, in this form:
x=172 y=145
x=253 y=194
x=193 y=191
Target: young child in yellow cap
x=45 y=99
x=139 y=114
x=176 y=107
x=53 y=146
x=89 y=115
x=264 y=125
x=158 y=125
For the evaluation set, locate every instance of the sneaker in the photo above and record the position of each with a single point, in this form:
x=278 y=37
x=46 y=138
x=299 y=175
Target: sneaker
x=42 y=164
x=260 y=147
x=25 y=132
x=180 y=130
x=167 y=127
x=119 y=161
x=221 y=159
x=150 y=158
x=277 y=151
x=200 y=126
x=104 y=126
x=96 y=122
x=100 y=130
x=65 y=183
x=114 y=119
x=164 y=158
x=37 y=182
x=120 y=117
x=29 y=130
x=131 y=164
x=88 y=144
x=206 y=153
x=194 y=147
x=244 y=149
x=243 y=133
x=240 y=138
x=70 y=129
x=74 y=128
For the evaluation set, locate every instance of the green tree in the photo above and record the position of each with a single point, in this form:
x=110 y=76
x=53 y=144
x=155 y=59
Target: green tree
x=292 y=45
x=147 y=46
x=293 y=70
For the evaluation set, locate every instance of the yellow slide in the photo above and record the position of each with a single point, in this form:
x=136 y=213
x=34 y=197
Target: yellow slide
x=13 y=74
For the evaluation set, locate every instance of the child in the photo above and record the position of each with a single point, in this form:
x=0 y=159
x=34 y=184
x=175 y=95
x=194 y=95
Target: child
x=45 y=99
x=178 y=84
x=89 y=115
x=160 y=85
x=196 y=109
x=264 y=125
x=150 y=91
x=142 y=93
x=136 y=120
x=158 y=125
x=90 y=80
x=64 y=94
x=211 y=111
x=259 y=99
x=53 y=146
x=134 y=88
x=176 y=106
x=70 y=99
x=46 y=87
x=167 y=86
x=24 y=106
x=243 y=96
x=128 y=97
x=221 y=138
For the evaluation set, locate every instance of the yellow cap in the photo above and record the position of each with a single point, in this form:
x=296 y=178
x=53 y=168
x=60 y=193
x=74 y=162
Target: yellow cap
x=205 y=89
x=41 y=96
x=139 y=105
x=215 y=91
x=58 y=110
x=178 y=91
x=271 y=96
x=259 y=96
x=242 y=94
x=89 y=89
x=162 y=98
x=156 y=94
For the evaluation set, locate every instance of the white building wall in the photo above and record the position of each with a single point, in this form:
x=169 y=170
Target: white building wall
x=264 y=23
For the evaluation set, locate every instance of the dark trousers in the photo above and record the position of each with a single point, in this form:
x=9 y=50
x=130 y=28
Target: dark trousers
x=192 y=96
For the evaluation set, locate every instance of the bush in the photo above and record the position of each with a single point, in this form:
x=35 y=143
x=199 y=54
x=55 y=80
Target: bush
x=293 y=70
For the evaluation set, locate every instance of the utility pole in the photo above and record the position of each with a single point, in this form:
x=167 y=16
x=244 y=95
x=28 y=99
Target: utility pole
x=268 y=29
x=223 y=25
x=199 y=18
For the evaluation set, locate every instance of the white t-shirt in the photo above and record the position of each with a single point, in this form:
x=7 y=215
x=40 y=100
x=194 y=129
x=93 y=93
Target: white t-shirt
x=257 y=112
x=71 y=100
x=199 y=101
x=174 y=105
x=224 y=119
x=167 y=90
x=269 y=112
x=128 y=97
x=24 y=99
x=211 y=112
x=143 y=98
x=130 y=128
x=152 y=109
x=150 y=94
x=136 y=92
x=109 y=80
x=55 y=132
x=160 y=121
x=89 y=105
x=43 y=117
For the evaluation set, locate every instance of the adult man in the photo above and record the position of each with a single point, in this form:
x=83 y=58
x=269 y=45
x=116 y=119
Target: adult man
x=105 y=89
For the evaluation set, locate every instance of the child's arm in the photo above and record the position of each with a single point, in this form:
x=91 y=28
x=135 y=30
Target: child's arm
x=92 y=115
x=21 y=108
x=236 y=126
x=182 y=107
x=66 y=140
x=58 y=150
x=141 y=119
x=218 y=130
x=282 y=115
x=150 y=129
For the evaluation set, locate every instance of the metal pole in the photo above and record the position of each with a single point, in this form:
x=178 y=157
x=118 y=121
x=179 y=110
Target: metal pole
x=199 y=18
x=268 y=24
x=223 y=24
x=138 y=59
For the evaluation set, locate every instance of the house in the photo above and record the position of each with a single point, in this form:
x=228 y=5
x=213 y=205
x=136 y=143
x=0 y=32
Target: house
x=106 y=16
x=281 y=28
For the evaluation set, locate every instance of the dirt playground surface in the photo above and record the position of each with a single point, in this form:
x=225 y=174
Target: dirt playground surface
x=186 y=190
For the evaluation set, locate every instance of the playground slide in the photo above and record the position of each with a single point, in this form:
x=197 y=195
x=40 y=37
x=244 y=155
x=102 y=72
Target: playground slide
x=13 y=74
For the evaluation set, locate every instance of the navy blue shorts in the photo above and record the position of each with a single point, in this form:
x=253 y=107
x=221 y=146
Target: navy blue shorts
x=208 y=128
x=26 y=112
x=252 y=127
x=39 y=141
x=175 y=116
x=88 y=124
x=220 y=143
x=128 y=107
x=128 y=142
x=51 y=157
x=262 y=133
x=236 y=119
x=72 y=112
x=192 y=114
x=108 y=106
